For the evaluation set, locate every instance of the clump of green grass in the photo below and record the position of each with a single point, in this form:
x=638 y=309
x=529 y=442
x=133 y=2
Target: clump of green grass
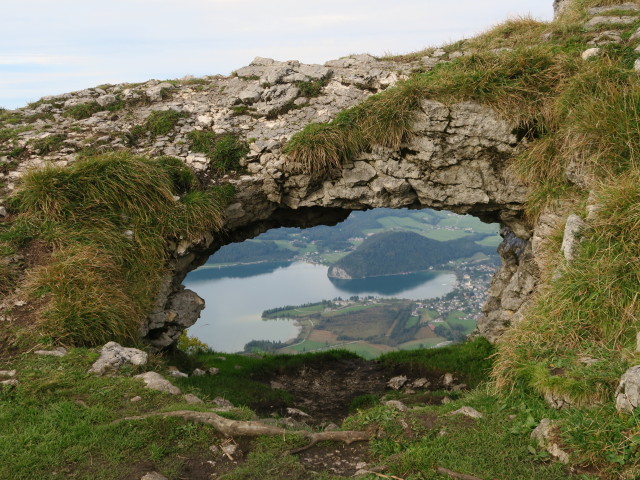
x=517 y=84
x=49 y=144
x=100 y=281
x=83 y=110
x=469 y=360
x=162 y=122
x=312 y=88
x=225 y=151
x=591 y=310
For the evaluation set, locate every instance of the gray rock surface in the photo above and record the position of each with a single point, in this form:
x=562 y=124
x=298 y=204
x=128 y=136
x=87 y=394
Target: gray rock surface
x=468 y=412
x=8 y=373
x=192 y=399
x=457 y=159
x=155 y=381
x=396 y=383
x=545 y=435
x=113 y=356
x=628 y=391
x=58 y=352
x=572 y=236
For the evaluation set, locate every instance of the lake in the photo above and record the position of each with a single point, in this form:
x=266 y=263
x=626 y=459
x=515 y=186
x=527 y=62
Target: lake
x=236 y=296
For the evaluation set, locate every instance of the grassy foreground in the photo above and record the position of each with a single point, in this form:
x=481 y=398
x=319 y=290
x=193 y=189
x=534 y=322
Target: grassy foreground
x=57 y=423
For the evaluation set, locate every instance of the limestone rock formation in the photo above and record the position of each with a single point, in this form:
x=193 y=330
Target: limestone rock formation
x=457 y=159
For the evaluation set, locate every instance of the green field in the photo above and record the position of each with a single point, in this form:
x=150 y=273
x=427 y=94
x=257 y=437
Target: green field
x=467 y=221
x=330 y=258
x=403 y=222
x=428 y=315
x=411 y=322
x=445 y=235
x=492 y=241
x=354 y=308
x=297 y=312
x=457 y=318
x=423 y=343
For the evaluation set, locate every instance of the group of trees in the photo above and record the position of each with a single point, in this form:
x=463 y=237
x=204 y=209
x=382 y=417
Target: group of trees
x=401 y=252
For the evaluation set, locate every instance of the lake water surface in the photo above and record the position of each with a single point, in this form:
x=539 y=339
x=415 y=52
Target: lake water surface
x=236 y=297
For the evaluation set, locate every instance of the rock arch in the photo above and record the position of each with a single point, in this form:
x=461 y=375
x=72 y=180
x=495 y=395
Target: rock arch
x=458 y=159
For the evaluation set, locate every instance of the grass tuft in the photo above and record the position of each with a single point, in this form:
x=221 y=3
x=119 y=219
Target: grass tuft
x=225 y=151
x=107 y=219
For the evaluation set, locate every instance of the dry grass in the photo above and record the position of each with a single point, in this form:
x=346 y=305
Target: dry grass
x=108 y=220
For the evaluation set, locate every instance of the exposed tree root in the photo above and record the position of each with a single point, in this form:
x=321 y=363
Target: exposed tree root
x=237 y=428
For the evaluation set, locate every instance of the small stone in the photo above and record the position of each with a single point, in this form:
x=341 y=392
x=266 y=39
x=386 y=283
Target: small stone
x=397 y=404
x=557 y=400
x=636 y=65
x=588 y=360
x=153 y=476
x=590 y=53
x=446 y=400
x=155 y=381
x=59 y=352
x=128 y=234
x=213 y=371
x=447 y=380
x=421 y=383
x=192 y=399
x=136 y=399
x=113 y=356
x=11 y=382
x=459 y=388
x=3 y=211
x=467 y=412
x=332 y=427
x=19 y=303
x=397 y=383
x=198 y=373
x=544 y=435
x=222 y=404
x=7 y=373
x=174 y=372
x=229 y=449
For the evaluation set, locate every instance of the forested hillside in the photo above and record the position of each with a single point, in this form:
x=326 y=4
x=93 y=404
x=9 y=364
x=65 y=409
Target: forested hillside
x=400 y=252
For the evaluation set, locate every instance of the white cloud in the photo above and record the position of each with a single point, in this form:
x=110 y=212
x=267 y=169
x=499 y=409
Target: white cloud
x=69 y=44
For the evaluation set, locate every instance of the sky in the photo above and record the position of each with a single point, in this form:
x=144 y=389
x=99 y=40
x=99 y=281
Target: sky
x=50 y=47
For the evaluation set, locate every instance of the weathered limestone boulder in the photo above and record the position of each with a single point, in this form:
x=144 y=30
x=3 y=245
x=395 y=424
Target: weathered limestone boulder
x=628 y=391
x=113 y=356
x=155 y=381
x=545 y=434
x=458 y=158
x=396 y=383
x=572 y=236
